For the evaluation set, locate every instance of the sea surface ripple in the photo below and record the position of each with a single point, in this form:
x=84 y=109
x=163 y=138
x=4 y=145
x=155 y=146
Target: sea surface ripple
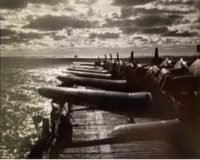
x=20 y=101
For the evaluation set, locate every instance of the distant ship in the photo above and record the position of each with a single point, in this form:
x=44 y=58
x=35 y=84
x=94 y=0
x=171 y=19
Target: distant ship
x=75 y=56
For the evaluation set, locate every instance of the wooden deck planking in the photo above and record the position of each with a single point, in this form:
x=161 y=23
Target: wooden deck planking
x=89 y=125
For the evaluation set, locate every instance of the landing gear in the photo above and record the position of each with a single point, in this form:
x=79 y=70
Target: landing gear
x=63 y=137
x=61 y=128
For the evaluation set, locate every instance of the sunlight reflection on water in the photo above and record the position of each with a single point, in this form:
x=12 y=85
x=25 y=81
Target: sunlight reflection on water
x=20 y=101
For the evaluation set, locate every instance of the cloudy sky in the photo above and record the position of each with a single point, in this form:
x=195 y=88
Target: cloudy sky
x=62 y=28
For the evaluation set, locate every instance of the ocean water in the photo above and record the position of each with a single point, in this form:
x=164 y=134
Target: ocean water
x=20 y=101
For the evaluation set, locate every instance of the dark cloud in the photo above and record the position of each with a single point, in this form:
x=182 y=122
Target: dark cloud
x=86 y=2
x=22 y=35
x=30 y=35
x=58 y=37
x=158 y=20
x=6 y=32
x=153 y=20
x=118 y=23
x=177 y=33
x=144 y=30
x=91 y=12
x=178 y=2
x=13 y=4
x=144 y=21
x=9 y=36
x=127 y=12
x=49 y=2
x=69 y=32
x=106 y=35
x=130 y=2
x=115 y=15
x=139 y=38
x=154 y=30
x=163 y=31
x=52 y=23
x=10 y=40
x=2 y=18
